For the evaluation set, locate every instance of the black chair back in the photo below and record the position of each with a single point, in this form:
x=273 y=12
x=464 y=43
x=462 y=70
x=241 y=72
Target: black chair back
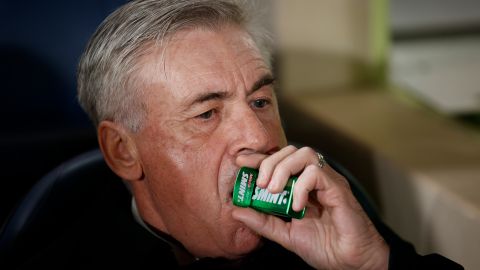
x=67 y=193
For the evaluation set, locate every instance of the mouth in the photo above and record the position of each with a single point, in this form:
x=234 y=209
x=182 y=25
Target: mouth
x=229 y=196
x=232 y=175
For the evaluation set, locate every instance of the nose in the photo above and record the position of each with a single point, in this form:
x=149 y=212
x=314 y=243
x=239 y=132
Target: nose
x=249 y=133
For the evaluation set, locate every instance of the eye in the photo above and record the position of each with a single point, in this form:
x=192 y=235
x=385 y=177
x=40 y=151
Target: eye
x=260 y=103
x=206 y=115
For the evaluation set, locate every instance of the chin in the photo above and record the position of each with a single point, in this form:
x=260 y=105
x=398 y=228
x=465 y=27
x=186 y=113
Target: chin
x=245 y=241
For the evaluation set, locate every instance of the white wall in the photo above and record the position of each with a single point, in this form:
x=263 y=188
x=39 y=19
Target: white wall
x=415 y=15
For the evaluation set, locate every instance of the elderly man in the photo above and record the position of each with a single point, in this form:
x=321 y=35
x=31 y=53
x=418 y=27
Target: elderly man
x=182 y=95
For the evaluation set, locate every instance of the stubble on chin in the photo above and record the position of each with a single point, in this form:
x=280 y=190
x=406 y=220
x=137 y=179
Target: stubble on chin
x=245 y=241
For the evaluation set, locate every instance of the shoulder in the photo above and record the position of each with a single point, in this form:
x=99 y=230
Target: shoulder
x=106 y=235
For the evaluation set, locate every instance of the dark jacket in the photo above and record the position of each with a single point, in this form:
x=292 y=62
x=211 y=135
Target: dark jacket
x=85 y=221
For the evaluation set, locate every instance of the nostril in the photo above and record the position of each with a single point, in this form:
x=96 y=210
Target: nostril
x=246 y=151
x=273 y=150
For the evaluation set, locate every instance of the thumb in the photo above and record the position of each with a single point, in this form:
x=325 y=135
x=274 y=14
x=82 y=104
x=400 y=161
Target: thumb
x=268 y=226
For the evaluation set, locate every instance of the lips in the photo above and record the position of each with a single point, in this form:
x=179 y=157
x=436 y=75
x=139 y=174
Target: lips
x=231 y=195
x=230 y=189
x=230 y=178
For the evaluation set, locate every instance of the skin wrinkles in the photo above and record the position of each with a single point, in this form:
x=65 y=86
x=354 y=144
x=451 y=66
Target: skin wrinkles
x=189 y=162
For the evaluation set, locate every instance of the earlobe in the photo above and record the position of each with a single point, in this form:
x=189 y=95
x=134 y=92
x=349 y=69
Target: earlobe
x=119 y=151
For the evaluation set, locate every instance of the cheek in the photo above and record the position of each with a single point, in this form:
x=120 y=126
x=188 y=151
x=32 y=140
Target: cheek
x=272 y=123
x=186 y=169
x=280 y=134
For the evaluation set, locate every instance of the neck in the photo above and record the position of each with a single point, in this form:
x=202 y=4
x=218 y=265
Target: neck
x=182 y=256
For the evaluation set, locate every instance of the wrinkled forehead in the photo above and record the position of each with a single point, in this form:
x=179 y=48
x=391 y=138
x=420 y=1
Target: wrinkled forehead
x=195 y=53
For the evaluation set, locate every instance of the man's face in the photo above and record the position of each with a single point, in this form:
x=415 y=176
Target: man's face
x=209 y=98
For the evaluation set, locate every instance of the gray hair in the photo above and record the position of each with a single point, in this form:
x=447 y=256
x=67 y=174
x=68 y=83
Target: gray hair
x=106 y=87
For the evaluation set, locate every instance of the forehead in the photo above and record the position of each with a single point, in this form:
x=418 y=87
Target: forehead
x=211 y=48
x=202 y=56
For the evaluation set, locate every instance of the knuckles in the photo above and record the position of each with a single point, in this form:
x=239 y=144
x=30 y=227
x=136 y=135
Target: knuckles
x=308 y=151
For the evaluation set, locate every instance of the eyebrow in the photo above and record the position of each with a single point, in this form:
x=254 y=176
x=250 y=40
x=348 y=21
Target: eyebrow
x=264 y=80
x=207 y=97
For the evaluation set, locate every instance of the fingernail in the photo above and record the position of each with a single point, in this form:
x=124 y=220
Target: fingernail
x=271 y=187
x=295 y=206
x=260 y=180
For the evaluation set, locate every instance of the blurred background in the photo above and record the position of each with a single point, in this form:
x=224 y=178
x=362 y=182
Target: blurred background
x=41 y=121
x=390 y=88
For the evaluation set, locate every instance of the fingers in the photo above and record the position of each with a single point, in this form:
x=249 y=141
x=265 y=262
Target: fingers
x=334 y=222
x=331 y=188
x=276 y=169
x=293 y=163
x=268 y=165
x=307 y=181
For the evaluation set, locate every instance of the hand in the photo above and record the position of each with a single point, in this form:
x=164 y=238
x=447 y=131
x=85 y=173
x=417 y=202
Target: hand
x=335 y=232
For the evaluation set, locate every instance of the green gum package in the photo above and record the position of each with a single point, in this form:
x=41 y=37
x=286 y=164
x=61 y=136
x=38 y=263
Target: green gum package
x=247 y=194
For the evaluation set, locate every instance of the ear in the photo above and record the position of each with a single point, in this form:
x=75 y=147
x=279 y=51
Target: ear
x=119 y=150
